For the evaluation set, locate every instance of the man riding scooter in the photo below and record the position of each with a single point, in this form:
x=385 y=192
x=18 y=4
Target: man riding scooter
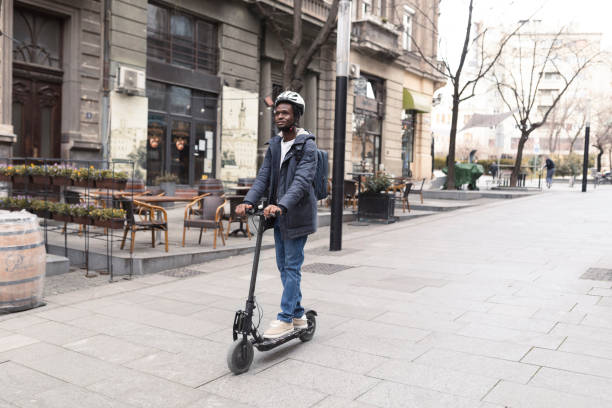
x=287 y=175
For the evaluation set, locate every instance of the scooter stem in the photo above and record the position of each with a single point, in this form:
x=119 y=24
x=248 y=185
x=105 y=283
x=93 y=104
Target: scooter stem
x=260 y=232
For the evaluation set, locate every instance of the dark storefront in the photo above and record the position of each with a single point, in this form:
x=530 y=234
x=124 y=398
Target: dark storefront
x=183 y=92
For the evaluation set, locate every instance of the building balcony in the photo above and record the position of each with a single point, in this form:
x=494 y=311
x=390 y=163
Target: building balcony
x=314 y=11
x=376 y=38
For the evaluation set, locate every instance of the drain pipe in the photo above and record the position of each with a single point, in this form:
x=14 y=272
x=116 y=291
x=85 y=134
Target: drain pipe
x=105 y=125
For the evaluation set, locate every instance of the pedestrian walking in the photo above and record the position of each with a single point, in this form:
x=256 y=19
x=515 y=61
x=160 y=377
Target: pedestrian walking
x=287 y=175
x=493 y=170
x=550 y=171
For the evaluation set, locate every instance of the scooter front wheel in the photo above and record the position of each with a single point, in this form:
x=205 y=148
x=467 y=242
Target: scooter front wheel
x=312 y=327
x=240 y=356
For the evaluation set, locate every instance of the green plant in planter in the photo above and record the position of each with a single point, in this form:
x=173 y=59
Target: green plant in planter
x=5 y=202
x=37 y=170
x=21 y=170
x=7 y=170
x=39 y=205
x=120 y=175
x=377 y=183
x=61 y=170
x=166 y=178
x=97 y=213
x=60 y=208
x=79 y=210
x=117 y=213
x=22 y=202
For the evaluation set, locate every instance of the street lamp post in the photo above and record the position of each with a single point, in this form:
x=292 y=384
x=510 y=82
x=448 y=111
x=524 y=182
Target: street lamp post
x=585 y=161
x=342 y=67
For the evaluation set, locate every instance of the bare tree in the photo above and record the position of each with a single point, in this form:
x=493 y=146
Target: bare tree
x=520 y=79
x=463 y=88
x=296 y=58
x=603 y=134
x=580 y=125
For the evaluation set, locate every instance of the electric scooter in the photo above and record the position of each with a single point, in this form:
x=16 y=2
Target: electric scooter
x=245 y=332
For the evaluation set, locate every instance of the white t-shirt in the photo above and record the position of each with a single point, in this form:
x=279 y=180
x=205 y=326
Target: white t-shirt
x=285 y=146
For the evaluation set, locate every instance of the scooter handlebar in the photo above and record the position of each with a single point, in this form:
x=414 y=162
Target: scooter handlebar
x=259 y=211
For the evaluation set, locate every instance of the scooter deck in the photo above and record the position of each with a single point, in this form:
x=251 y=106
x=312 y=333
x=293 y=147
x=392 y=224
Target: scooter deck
x=268 y=344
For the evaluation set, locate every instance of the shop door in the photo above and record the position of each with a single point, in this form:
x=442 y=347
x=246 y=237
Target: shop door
x=37 y=83
x=36 y=117
x=204 y=149
x=180 y=149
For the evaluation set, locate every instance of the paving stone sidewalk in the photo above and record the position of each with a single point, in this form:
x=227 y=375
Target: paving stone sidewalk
x=481 y=307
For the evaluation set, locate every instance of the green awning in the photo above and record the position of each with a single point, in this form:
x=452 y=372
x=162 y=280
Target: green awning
x=416 y=101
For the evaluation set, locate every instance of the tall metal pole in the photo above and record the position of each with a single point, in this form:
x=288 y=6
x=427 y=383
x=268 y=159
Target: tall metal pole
x=343 y=46
x=585 y=161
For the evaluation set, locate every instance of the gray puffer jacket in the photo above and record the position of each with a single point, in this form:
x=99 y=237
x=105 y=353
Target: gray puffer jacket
x=291 y=185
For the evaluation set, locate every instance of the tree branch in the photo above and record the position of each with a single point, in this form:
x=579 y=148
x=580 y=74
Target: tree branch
x=320 y=39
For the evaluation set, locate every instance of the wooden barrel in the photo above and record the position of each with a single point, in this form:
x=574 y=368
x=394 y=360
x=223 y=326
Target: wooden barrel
x=22 y=262
x=135 y=185
x=212 y=186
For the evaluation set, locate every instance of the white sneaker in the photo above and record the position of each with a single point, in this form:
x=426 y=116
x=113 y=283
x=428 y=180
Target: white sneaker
x=300 y=322
x=277 y=329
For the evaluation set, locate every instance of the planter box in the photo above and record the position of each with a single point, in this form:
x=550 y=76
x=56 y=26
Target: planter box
x=116 y=223
x=105 y=183
x=61 y=181
x=19 y=179
x=41 y=180
x=376 y=207
x=113 y=223
x=119 y=184
x=168 y=187
x=83 y=183
x=42 y=213
x=4 y=177
x=82 y=220
x=62 y=217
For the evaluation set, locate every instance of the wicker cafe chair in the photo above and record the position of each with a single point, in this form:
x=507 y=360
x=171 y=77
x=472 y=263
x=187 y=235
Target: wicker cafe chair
x=350 y=193
x=152 y=218
x=419 y=190
x=406 y=193
x=211 y=216
x=233 y=217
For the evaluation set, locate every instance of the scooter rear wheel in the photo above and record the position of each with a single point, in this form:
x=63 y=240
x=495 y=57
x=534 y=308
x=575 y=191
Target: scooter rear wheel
x=312 y=327
x=240 y=356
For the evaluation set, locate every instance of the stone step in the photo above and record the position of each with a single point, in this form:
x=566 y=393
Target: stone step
x=56 y=265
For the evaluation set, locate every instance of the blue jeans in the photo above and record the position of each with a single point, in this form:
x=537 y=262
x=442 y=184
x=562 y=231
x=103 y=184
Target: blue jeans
x=549 y=176
x=289 y=259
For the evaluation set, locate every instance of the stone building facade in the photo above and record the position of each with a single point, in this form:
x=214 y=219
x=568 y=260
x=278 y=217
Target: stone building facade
x=184 y=86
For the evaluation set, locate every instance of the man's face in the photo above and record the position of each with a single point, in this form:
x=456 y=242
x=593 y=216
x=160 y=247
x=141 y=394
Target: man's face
x=283 y=115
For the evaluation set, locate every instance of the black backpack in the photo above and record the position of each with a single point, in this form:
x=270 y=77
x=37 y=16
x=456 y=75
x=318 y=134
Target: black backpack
x=321 y=174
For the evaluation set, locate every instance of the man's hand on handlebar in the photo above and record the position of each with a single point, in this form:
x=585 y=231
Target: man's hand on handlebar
x=272 y=211
x=241 y=209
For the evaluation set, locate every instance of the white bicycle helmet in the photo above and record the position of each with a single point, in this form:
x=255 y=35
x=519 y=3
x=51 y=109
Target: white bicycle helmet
x=293 y=98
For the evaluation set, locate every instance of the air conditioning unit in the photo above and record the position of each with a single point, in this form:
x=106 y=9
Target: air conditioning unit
x=354 y=71
x=130 y=81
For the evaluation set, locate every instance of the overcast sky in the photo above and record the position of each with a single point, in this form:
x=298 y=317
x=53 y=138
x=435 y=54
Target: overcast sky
x=582 y=15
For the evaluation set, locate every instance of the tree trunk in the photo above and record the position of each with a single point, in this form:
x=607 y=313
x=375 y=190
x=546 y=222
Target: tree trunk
x=601 y=152
x=519 y=158
x=450 y=179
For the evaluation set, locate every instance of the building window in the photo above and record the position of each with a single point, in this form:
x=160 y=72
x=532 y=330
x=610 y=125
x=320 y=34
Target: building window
x=38 y=38
x=366 y=8
x=367 y=123
x=407 y=28
x=180 y=39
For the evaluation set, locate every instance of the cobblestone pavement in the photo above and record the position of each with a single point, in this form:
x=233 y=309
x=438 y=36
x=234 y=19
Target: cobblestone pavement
x=489 y=306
